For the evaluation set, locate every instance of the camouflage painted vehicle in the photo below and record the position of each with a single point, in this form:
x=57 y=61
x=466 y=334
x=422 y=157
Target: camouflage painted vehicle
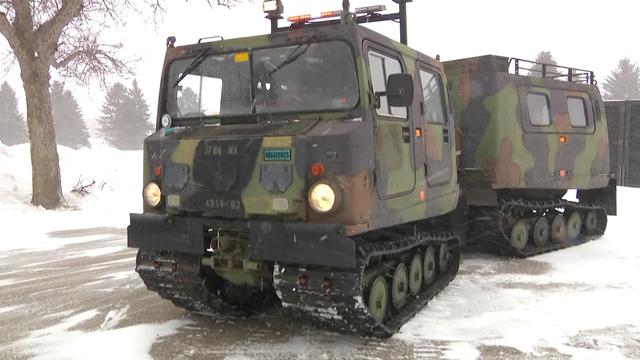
x=316 y=163
x=526 y=140
x=319 y=165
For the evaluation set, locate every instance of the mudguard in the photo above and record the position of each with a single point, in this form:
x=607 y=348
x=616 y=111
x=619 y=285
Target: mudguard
x=165 y=232
x=605 y=197
x=302 y=243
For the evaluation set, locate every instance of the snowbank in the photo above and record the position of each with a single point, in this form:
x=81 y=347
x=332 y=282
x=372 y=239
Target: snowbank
x=116 y=193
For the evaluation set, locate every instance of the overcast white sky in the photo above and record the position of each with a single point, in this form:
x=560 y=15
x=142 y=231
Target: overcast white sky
x=585 y=34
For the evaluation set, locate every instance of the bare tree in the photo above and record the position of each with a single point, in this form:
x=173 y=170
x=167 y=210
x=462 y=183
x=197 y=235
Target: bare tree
x=65 y=35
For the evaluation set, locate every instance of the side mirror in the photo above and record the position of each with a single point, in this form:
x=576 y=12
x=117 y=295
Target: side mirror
x=399 y=90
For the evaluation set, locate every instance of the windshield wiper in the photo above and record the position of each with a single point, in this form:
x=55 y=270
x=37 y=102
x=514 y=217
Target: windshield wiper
x=264 y=77
x=194 y=64
x=293 y=56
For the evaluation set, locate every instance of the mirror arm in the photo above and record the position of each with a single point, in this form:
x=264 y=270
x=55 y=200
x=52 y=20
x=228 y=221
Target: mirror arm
x=376 y=99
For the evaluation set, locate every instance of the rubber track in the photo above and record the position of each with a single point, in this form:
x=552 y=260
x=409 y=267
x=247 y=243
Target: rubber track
x=346 y=311
x=495 y=235
x=176 y=277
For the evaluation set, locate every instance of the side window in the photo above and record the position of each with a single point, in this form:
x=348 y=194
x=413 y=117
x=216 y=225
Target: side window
x=381 y=67
x=577 y=111
x=378 y=79
x=539 y=114
x=432 y=101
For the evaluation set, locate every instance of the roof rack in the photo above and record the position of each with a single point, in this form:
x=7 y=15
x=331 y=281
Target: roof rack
x=368 y=14
x=553 y=71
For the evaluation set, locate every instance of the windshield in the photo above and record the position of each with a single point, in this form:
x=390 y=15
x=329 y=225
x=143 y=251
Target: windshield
x=298 y=78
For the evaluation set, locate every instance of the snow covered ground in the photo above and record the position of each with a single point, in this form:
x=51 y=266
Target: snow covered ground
x=116 y=192
x=68 y=289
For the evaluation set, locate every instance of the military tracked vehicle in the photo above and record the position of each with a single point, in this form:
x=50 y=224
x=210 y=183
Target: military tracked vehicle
x=317 y=166
x=302 y=163
x=526 y=140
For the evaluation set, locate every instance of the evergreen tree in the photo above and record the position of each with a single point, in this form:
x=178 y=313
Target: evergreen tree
x=12 y=126
x=544 y=57
x=125 y=120
x=112 y=112
x=624 y=82
x=141 y=127
x=70 y=129
x=188 y=102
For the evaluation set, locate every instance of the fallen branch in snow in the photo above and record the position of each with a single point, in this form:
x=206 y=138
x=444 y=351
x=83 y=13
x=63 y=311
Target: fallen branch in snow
x=83 y=190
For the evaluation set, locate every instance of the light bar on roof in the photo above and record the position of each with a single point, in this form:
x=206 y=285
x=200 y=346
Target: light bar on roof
x=335 y=13
x=299 y=18
x=328 y=14
x=370 y=9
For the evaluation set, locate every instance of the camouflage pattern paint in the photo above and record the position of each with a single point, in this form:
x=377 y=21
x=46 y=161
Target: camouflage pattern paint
x=499 y=141
x=225 y=167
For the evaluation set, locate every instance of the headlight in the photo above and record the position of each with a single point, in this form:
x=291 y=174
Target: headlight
x=322 y=198
x=152 y=194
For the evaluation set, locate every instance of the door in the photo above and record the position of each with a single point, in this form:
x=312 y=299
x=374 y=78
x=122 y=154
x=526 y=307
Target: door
x=437 y=127
x=395 y=174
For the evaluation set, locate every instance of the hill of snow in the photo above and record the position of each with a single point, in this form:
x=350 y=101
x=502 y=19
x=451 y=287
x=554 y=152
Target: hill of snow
x=116 y=192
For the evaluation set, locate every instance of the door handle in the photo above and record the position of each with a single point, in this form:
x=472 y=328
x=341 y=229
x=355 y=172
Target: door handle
x=445 y=135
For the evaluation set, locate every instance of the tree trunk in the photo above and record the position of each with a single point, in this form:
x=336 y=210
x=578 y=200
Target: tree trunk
x=45 y=175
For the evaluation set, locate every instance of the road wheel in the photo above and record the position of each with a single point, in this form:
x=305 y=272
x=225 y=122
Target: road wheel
x=429 y=265
x=443 y=258
x=520 y=235
x=558 y=229
x=378 y=298
x=415 y=274
x=541 y=231
x=399 y=286
x=591 y=223
x=574 y=226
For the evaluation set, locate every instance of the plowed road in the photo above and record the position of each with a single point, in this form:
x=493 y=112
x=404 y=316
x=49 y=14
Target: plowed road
x=85 y=300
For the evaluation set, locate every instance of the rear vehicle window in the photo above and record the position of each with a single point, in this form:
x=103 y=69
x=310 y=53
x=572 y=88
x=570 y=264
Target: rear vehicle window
x=539 y=114
x=577 y=111
x=381 y=67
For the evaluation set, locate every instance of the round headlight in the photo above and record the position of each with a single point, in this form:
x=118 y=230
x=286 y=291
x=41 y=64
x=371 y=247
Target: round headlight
x=152 y=194
x=322 y=198
x=165 y=121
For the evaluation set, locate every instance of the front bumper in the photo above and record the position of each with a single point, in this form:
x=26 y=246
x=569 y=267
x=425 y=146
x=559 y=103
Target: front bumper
x=290 y=243
x=165 y=232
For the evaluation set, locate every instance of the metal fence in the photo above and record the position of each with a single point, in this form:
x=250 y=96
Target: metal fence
x=623 y=122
